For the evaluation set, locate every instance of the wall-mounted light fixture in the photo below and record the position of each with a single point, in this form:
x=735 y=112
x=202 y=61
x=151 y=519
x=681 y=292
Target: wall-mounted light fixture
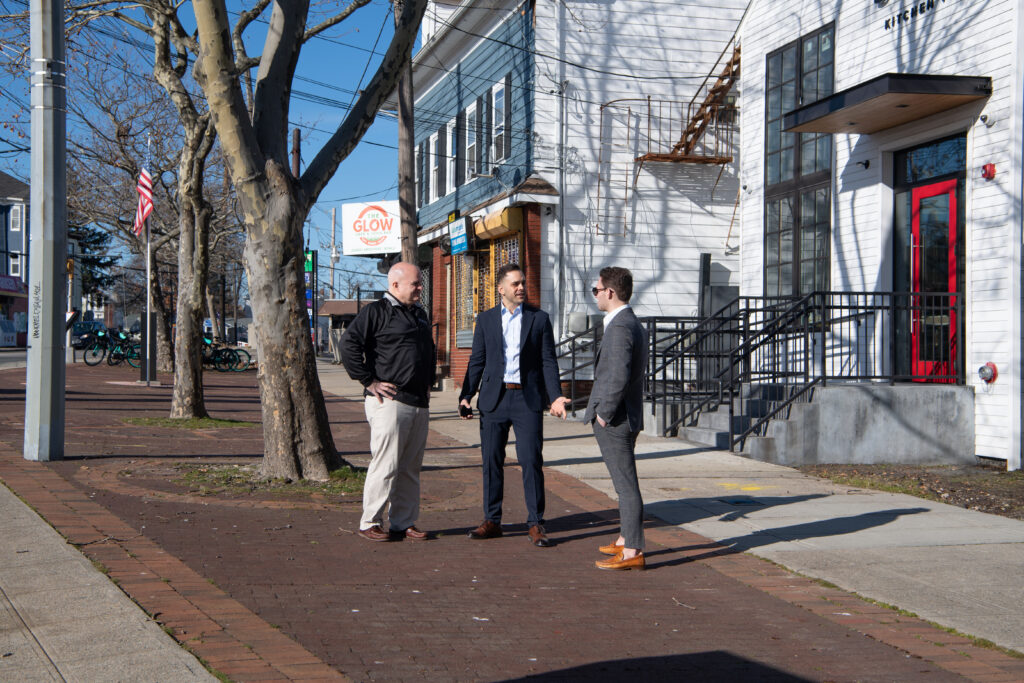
x=987 y=120
x=988 y=373
x=866 y=163
x=988 y=171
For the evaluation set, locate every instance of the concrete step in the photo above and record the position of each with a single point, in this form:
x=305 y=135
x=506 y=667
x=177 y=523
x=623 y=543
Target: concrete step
x=719 y=420
x=761 y=448
x=705 y=437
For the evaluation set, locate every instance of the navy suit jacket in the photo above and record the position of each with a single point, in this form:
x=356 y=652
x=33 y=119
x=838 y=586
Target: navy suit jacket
x=538 y=369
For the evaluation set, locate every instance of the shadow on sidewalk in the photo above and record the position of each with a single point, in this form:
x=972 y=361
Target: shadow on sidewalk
x=563 y=462
x=583 y=524
x=700 y=666
x=795 y=532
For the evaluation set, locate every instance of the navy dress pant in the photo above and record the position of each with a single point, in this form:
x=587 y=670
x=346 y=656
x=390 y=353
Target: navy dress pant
x=513 y=412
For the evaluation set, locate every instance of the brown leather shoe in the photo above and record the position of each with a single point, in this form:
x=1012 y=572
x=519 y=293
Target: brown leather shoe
x=413 y=534
x=610 y=549
x=538 y=537
x=486 y=530
x=617 y=563
x=375 y=533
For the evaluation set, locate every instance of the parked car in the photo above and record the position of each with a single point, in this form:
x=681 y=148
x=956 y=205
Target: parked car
x=81 y=331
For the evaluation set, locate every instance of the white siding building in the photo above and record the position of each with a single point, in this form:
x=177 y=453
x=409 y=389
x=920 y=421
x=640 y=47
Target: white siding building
x=528 y=120
x=881 y=151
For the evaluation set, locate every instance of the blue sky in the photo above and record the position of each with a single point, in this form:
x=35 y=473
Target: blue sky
x=331 y=69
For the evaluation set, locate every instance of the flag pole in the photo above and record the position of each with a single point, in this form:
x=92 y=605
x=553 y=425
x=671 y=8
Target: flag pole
x=149 y=287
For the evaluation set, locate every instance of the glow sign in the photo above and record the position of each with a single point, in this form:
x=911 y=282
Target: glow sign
x=371 y=228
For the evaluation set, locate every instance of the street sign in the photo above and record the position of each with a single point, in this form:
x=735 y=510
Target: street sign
x=457 y=234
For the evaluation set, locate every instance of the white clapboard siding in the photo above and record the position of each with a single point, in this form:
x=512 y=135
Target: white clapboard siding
x=952 y=37
x=672 y=216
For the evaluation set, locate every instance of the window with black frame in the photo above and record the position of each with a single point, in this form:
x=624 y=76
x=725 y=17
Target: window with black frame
x=798 y=169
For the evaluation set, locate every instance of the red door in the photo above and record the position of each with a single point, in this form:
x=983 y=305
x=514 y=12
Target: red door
x=933 y=282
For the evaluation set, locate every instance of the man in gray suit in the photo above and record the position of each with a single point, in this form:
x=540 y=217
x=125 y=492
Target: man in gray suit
x=616 y=411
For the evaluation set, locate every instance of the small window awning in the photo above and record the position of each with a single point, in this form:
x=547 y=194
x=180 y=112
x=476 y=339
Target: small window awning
x=885 y=102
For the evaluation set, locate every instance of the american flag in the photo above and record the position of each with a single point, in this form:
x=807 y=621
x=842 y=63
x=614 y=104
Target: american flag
x=145 y=207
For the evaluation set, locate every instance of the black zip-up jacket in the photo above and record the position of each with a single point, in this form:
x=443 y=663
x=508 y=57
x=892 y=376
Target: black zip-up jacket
x=391 y=343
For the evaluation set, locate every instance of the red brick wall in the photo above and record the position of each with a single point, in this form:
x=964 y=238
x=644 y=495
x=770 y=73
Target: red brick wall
x=439 y=313
x=531 y=252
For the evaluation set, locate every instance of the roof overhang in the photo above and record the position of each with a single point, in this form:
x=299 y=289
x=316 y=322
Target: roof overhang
x=885 y=102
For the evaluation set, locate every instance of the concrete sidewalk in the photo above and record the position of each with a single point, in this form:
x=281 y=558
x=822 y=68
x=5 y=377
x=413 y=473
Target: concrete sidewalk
x=956 y=567
x=63 y=620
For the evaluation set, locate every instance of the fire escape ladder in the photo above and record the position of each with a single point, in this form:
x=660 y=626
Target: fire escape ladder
x=713 y=103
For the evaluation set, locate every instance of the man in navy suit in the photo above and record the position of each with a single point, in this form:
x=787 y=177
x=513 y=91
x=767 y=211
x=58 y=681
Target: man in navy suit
x=514 y=368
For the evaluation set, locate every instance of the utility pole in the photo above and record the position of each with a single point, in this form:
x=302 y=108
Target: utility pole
x=406 y=158
x=334 y=252
x=44 y=380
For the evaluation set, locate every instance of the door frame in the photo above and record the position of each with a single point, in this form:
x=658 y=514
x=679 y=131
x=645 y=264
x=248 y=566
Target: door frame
x=923 y=369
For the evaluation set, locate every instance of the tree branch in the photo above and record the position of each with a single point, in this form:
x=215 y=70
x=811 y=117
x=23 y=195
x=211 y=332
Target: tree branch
x=216 y=69
x=335 y=20
x=274 y=77
x=351 y=130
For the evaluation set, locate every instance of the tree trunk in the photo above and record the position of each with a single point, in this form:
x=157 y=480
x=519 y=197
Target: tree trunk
x=211 y=313
x=188 y=400
x=164 y=352
x=296 y=431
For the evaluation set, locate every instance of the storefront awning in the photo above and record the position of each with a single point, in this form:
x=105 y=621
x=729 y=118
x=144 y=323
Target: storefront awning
x=12 y=286
x=885 y=102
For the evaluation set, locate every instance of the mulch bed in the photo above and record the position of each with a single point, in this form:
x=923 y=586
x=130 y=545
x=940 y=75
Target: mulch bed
x=985 y=486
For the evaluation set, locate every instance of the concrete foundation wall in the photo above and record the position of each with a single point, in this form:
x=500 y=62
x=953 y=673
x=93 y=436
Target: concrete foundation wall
x=868 y=424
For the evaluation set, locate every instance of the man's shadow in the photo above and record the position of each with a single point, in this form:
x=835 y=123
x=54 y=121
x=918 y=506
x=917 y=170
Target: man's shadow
x=836 y=526
x=698 y=666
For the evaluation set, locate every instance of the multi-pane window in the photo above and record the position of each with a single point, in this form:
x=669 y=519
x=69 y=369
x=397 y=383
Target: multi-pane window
x=471 y=142
x=15 y=218
x=465 y=308
x=434 y=164
x=475 y=289
x=452 y=157
x=418 y=175
x=15 y=266
x=498 y=131
x=798 y=169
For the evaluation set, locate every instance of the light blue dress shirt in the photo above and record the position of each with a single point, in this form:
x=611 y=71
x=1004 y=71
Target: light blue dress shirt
x=511 y=333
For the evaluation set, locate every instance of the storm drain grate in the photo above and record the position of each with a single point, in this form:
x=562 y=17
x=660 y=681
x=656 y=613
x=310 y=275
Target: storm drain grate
x=740 y=501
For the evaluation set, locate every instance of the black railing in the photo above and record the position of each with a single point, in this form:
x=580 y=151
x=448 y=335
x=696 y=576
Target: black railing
x=791 y=346
x=576 y=356
x=767 y=353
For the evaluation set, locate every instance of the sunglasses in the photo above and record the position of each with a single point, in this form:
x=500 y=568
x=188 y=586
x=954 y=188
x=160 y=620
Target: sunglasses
x=595 y=290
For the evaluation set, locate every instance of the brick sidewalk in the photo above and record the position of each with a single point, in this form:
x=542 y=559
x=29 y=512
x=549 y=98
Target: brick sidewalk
x=284 y=590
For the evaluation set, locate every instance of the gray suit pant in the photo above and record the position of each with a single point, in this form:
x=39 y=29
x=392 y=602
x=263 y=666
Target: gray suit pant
x=617 y=449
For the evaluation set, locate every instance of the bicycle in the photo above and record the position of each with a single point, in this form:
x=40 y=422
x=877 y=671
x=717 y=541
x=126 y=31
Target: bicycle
x=225 y=358
x=96 y=348
x=125 y=350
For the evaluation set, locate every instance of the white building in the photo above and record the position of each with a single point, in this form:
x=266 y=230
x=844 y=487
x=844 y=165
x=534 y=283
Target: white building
x=882 y=153
x=529 y=120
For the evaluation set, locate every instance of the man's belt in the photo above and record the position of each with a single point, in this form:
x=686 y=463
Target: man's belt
x=513 y=385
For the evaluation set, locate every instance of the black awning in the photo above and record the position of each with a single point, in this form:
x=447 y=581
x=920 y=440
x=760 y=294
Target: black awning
x=886 y=101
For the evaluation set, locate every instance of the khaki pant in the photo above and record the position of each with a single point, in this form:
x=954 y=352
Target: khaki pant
x=398 y=435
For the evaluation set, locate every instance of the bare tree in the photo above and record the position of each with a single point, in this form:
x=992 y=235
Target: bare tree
x=114 y=112
x=274 y=205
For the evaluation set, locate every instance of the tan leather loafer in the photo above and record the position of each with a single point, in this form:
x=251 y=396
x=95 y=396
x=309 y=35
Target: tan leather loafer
x=619 y=564
x=486 y=530
x=412 y=533
x=375 y=533
x=610 y=549
x=538 y=537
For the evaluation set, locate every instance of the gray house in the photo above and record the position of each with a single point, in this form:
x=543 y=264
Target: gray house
x=14 y=196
